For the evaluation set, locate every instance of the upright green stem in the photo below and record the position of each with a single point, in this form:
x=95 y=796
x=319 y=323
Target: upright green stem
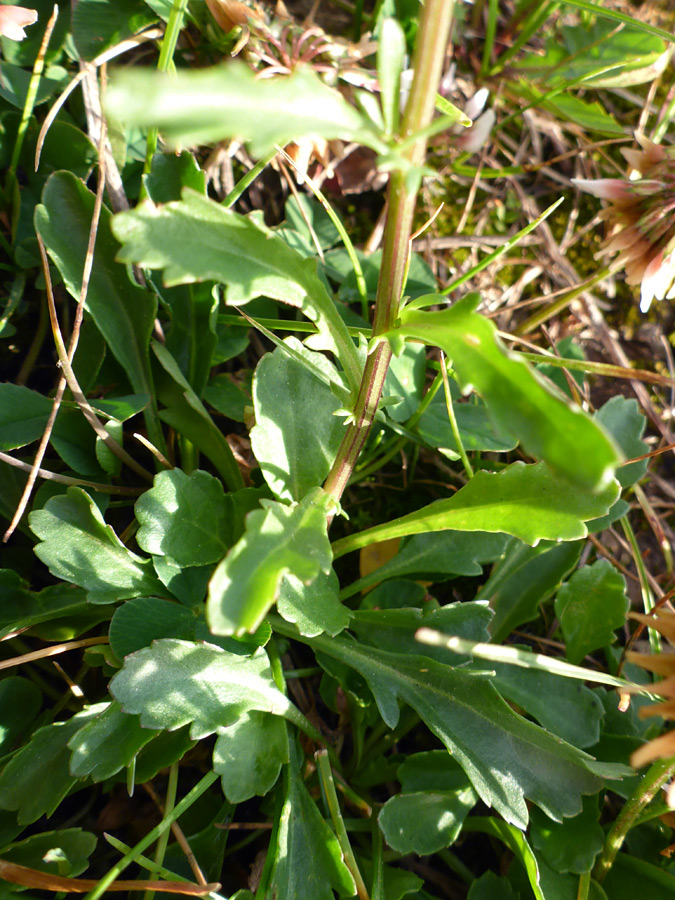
x=163 y=839
x=31 y=96
x=169 y=41
x=430 y=49
x=453 y=420
x=328 y=785
x=584 y=886
x=645 y=589
x=661 y=772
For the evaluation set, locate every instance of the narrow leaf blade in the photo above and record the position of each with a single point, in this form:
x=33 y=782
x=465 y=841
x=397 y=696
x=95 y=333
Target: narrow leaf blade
x=526 y=501
x=548 y=427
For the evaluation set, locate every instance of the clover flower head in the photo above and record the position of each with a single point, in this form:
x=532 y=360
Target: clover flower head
x=13 y=20
x=641 y=224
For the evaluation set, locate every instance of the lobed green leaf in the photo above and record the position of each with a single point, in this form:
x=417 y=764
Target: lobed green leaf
x=279 y=540
x=591 y=606
x=77 y=546
x=185 y=518
x=173 y=683
x=506 y=758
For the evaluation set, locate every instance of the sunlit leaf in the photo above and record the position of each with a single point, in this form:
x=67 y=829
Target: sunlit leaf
x=207 y=105
x=526 y=501
x=173 y=683
x=314 y=608
x=429 y=812
x=77 y=546
x=184 y=517
x=249 y=755
x=279 y=540
x=547 y=426
x=296 y=436
x=107 y=744
x=196 y=239
x=591 y=606
x=424 y=822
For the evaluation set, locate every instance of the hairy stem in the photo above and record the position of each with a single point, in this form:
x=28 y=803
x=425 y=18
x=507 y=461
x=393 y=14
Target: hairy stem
x=661 y=772
x=430 y=49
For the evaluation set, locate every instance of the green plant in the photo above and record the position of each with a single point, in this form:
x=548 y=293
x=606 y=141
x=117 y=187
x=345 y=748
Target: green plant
x=230 y=638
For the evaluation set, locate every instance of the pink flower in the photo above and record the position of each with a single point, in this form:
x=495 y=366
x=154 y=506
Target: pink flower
x=641 y=219
x=605 y=188
x=13 y=20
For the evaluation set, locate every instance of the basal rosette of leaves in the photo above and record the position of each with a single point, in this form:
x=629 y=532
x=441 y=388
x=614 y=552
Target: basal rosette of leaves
x=239 y=664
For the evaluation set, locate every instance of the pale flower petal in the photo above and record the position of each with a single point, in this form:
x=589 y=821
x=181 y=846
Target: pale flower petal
x=634 y=158
x=447 y=81
x=654 y=152
x=405 y=83
x=660 y=748
x=13 y=20
x=475 y=138
x=476 y=104
x=653 y=281
x=605 y=188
